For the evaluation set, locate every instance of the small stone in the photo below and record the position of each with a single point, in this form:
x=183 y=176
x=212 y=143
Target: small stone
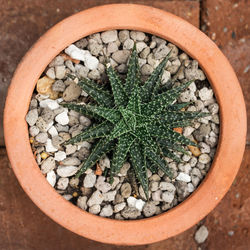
x=201 y=234
x=33 y=104
x=52 y=131
x=94 y=74
x=161 y=52
x=95 y=199
x=74 y=182
x=156 y=196
x=146 y=69
x=183 y=177
x=67 y=197
x=51 y=73
x=31 y=117
x=112 y=47
x=116 y=181
x=60 y=71
x=66 y=171
x=63 y=183
x=145 y=52
x=205 y=94
x=62 y=118
x=95 y=209
x=167 y=186
x=190 y=187
x=48 y=165
x=58 y=86
x=69 y=65
x=118 y=207
x=124 y=169
x=89 y=180
x=130 y=213
x=72 y=92
x=194 y=150
x=126 y=190
x=140 y=46
x=82 y=202
x=109 y=36
x=123 y=35
x=204 y=158
x=149 y=209
x=44 y=87
x=69 y=161
x=49 y=103
x=109 y=196
x=154 y=185
x=104 y=163
x=139 y=204
x=81 y=71
x=121 y=56
x=70 y=149
x=137 y=35
x=195 y=180
x=49 y=146
x=60 y=156
x=167 y=196
x=106 y=211
x=102 y=185
x=58 y=60
x=188 y=131
x=34 y=130
x=155 y=177
x=91 y=62
x=204 y=148
x=57 y=141
x=128 y=44
x=51 y=178
x=165 y=77
x=41 y=137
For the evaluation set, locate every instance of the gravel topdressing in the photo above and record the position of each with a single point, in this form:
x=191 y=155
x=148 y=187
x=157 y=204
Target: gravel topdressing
x=50 y=125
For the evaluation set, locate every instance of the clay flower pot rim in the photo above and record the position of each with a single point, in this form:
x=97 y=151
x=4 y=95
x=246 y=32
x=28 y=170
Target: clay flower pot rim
x=218 y=71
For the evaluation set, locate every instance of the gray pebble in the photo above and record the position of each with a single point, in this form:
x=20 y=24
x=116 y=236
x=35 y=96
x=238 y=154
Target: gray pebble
x=130 y=213
x=42 y=137
x=121 y=56
x=72 y=92
x=95 y=209
x=106 y=211
x=201 y=234
x=126 y=190
x=48 y=165
x=95 y=199
x=58 y=86
x=31 y=117
x=82 y=202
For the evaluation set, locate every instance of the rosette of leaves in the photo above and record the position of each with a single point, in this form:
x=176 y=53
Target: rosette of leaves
x=134 y=121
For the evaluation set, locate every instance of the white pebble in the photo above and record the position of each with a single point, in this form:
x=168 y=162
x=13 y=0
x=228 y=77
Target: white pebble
x=49 y=146
x=63 y=183
x=183 y=177
x=51 y=178
x=133 y=202
x=89 y=180
x=62 y=118
x=201 y=234
x=48 y=103
x=52 y=131
x=66 y=171
x=60 y=156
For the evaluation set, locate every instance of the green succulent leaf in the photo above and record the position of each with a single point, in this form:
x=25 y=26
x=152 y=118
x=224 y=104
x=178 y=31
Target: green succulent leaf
x=101 y=96
x=138 y=160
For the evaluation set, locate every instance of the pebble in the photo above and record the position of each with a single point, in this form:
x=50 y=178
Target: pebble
x=95 y=209
x=188 y=131
x=34 y=130
x=48 y=165
x=154 y=185
x=52 y=131
x=167 y=196
x=31 y=117
x=149 y=209
x=95 y=199
x=146 y=69
x=63 y=183
x=109 y=196
x=60 y=71
x=74 y=182
x=128 y=44
x=49 y=146
x=112 y=47
x=183 y=177
x=49 y=103
x=102 y=185
x=58 y=86
x=124 y=169
x=72 y=92
x=82 y=202
x=137 y=35
x=41 y=137
x=161 y=52
x=60 y=156
x=70 y=149
x=51 y=178
x=106 y=211
x=204 y=158
x=89 y=180
x=121 y=56
x=167 y=186
x=69 y=161
x=62 y=118
x=156 y=196
x=66 y=171
x=123 y=35
x=126 y=190
x=130 y=213
x=205 y=94
x=118 y=207
x=58 y=60
x=44 y=87
x=201 y=234
x=109 y=36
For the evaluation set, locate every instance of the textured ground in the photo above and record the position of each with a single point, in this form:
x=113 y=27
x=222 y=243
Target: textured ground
x=22 y=224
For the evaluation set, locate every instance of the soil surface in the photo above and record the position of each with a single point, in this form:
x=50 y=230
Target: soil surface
x=22 y=224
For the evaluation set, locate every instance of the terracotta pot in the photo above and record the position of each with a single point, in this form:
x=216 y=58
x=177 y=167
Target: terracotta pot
x=232 y=129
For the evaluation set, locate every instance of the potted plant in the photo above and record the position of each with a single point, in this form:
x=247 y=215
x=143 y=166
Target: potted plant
x=189 y=39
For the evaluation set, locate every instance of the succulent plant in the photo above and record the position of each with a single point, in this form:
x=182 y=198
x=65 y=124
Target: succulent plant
x=135 y=121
